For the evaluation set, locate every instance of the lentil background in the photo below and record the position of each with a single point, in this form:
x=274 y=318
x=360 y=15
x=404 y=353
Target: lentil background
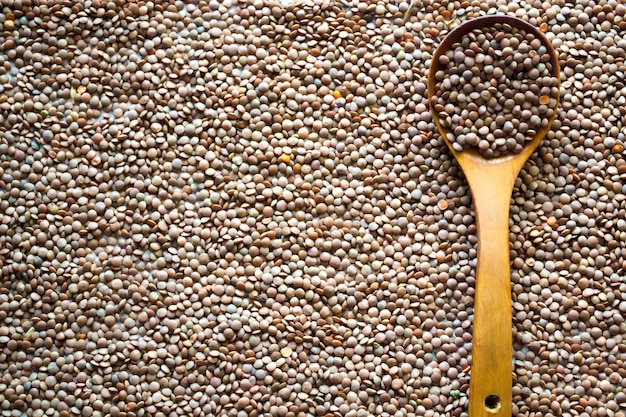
x=245 y=209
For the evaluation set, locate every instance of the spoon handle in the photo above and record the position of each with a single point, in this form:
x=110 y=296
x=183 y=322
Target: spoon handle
x=491 y=373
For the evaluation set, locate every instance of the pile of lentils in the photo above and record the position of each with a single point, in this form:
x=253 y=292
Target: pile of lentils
x=244 y=208
x=495 y=90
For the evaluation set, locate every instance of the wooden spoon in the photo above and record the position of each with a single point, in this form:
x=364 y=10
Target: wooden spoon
x=491 y=182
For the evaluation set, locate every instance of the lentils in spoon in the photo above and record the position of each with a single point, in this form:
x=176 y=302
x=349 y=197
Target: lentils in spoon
x=495 y=91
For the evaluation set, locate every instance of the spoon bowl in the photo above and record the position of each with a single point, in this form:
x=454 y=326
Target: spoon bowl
x=455 y=36
x=491 y=182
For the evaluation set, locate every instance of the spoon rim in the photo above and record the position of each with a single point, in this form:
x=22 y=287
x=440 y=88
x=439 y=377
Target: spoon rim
x=454 y=36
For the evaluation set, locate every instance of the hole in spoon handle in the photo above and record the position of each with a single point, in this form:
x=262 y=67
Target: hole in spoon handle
x=492 y=403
